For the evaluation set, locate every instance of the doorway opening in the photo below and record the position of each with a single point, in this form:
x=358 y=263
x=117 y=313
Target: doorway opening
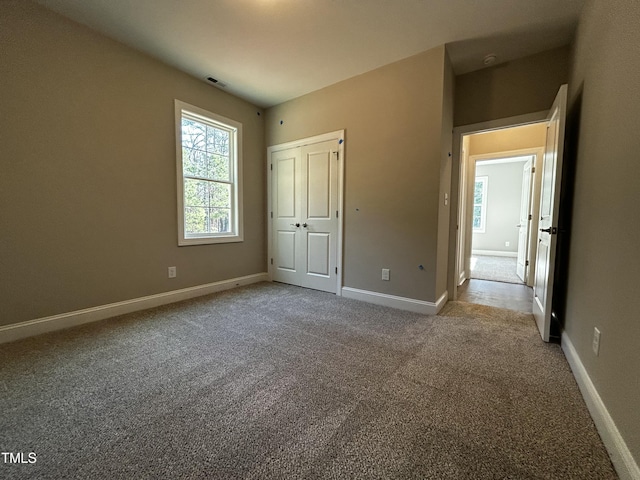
x=499 y=195
x=549 y=165
x=502 y=209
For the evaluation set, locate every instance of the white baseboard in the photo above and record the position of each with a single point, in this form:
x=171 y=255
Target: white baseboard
x=495 y=253
x=402 y=303
x=9 y=333
x=621 y=457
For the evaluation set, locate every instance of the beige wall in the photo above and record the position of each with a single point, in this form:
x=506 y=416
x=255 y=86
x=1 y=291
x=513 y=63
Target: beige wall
x=506 y=140
x=393 y=120
x=604 y=105
x=514 y=88
x=88 y=182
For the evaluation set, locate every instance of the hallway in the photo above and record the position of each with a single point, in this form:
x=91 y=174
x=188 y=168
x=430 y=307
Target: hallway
x=517 y=297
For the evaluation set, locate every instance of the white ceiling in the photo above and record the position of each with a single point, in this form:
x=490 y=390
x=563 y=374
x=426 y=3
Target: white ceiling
x=269 y=51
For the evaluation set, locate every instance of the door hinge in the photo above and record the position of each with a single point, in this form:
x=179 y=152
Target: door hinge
x=272 y=215
x=336 y=269
x=336 y=213
x=526 y=263
x=272 y=261
x=530 y=217
x=272 y=166
x=533 y=169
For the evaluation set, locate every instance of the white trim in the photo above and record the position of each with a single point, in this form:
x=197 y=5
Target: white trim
x=235 y=131
x=494 y=253
x=338 y=135
x=505 y=156
x=402 y=303
x=621 y=457
x=9 y=333
x=325 y=137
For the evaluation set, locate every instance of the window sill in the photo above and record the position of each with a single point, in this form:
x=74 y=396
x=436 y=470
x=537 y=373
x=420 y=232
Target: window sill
x=185 y=242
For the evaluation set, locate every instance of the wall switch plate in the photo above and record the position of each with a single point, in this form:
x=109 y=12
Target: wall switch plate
x=506 y=244
x=172 y=272
x=596 y=341
x=385 y=274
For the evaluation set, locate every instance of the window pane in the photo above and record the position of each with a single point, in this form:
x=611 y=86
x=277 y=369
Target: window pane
x=220 y=195
x=217 y=141
x=195 y=162
x=477 y=192
x=477 y=216
x=196 y=193
x=219 y=218
x=219 y=167
x=211 y=174
x=196 y=220
x=194 y=134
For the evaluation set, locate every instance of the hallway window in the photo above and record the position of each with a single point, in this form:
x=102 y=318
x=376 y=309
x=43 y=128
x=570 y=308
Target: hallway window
x=209 y=177
x=480 y=204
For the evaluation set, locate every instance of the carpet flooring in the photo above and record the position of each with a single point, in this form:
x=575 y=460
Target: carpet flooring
x=497 y=269
x=274 y=381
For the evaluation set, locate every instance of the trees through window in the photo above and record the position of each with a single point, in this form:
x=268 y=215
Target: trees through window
x=209 y=180
x=480 y=204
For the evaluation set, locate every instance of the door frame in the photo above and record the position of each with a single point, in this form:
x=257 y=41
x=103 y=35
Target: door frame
x=456 y=228
x=337 y=135
x=534 y=200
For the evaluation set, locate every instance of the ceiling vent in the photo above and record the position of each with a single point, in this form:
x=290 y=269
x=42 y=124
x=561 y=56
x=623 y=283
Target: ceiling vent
x=216 y=82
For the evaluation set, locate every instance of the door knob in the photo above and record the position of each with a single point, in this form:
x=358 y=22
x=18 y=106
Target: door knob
x=295 y=224
x=550 y=230
x=305 y=225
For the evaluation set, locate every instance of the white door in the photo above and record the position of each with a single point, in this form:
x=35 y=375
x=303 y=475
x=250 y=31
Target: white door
x=549 y=208
x=304 y=196
x=462 y=272
x=523 y=224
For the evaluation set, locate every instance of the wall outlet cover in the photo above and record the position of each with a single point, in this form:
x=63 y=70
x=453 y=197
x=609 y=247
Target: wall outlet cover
x=385 y=274
x=596 y=342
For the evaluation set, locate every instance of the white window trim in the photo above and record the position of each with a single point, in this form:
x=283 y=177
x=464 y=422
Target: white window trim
x=483 y=206
x=236 y=174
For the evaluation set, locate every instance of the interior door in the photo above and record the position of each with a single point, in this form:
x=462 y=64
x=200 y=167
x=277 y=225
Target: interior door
x=549 y=208
x=286 y=211
x=524 y=223
x=305 y=215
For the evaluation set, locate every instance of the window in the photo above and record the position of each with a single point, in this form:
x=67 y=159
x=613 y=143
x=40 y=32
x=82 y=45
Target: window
x=209 y=166
x=480 y=204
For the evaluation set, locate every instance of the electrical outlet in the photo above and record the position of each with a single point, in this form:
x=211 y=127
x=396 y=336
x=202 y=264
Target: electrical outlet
x=596 y=341
x=385 y=274
x=506 y=244
x=172 y=272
